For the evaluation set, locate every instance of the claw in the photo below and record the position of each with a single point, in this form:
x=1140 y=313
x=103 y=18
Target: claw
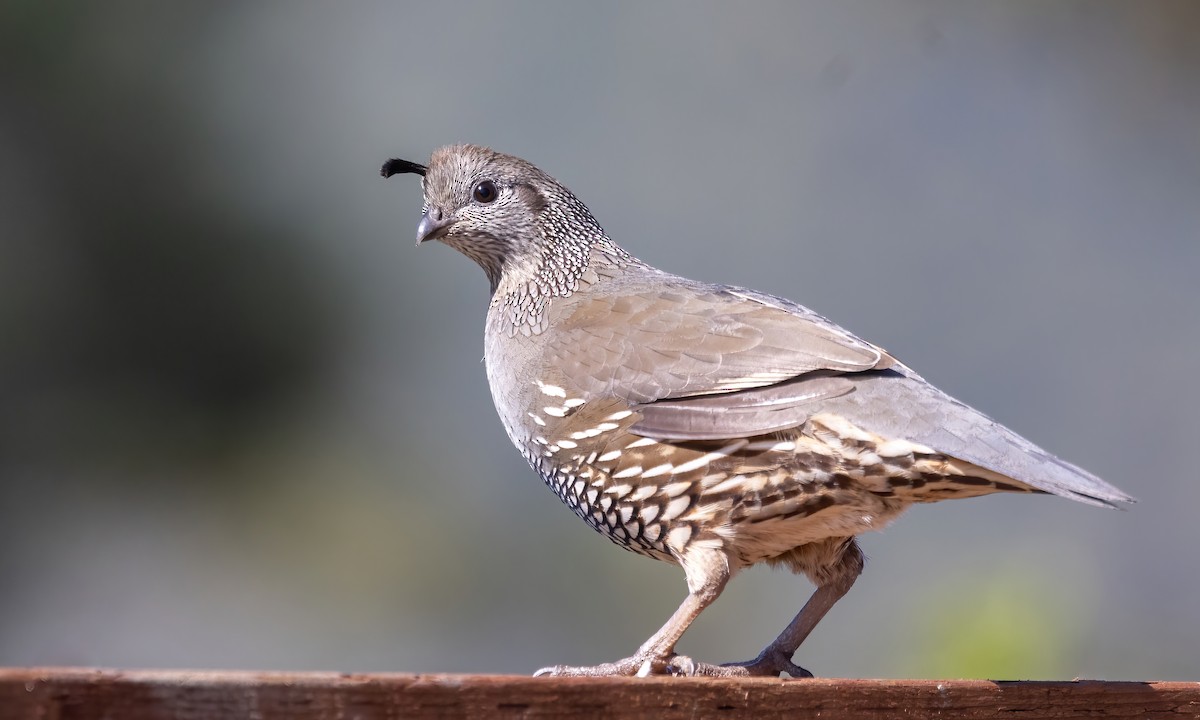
x=681 y=666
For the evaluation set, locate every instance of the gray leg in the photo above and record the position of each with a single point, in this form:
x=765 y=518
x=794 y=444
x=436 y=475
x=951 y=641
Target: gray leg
x=834 y=579
x=707 y=573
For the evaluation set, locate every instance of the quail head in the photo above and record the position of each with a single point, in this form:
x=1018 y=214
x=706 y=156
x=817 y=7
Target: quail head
x=710 y=426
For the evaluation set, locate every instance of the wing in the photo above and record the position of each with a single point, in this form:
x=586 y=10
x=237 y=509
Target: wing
x=702 y=362
x=744 y=413
x=677 y=338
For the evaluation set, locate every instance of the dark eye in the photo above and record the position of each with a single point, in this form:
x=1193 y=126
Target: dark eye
x=485 y=192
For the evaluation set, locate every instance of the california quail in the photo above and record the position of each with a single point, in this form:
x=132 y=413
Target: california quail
x=706 y=425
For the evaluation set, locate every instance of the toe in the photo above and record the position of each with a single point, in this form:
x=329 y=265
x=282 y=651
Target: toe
x=732 y=670
x=770 y=663
x=629 y=666
x=794 y=670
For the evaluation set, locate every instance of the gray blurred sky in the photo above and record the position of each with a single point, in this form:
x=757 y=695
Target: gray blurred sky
x=244 y=423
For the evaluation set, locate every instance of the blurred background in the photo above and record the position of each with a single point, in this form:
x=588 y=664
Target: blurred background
x=244 y=423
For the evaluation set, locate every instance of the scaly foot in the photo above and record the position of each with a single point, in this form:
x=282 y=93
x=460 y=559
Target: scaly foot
x=769 y=663
x=635 y=666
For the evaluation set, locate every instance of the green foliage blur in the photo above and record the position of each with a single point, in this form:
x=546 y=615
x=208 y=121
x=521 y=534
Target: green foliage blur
x=1005 y=625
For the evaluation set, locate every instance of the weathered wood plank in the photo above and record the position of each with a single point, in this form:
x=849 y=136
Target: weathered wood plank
x=85 y=694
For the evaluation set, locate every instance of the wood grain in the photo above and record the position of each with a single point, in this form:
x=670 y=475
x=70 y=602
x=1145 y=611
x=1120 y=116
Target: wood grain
x=84 y=694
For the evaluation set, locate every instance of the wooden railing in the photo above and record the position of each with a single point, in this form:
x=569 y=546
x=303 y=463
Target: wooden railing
x=83 y=694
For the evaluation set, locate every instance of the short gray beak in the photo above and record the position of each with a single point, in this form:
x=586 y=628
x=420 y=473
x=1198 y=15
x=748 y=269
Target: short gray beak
x=432 y=225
